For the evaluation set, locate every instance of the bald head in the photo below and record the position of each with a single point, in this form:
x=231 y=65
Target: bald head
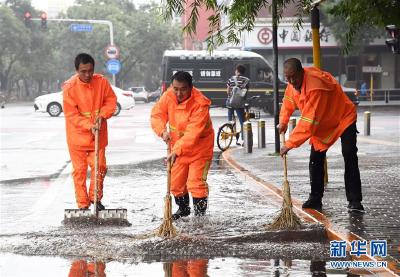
x=293 y=71
x=293 y=64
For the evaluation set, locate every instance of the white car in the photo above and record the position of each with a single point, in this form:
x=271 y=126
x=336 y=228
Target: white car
x=140 y=94
x=52 y=103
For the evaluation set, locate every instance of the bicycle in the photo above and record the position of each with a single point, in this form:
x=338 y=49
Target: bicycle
x=228 y=130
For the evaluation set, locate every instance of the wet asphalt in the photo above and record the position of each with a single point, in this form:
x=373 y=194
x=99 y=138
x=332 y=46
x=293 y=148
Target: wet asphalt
x=232 y=237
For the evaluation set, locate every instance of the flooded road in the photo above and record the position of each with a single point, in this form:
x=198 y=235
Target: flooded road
x=231 y=240
x=34 y=266
x=233 y=227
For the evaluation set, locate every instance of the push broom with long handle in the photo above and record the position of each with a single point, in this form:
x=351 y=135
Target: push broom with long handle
x=96 y=166
x=106 y=216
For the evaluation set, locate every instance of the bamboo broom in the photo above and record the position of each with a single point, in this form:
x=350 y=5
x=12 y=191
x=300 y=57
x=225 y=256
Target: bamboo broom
x=167 y=230
x=287 y=219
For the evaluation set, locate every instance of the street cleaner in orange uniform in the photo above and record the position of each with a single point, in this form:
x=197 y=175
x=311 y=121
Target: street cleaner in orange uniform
x=191 y=136
x=87 y=98
x=326 y=114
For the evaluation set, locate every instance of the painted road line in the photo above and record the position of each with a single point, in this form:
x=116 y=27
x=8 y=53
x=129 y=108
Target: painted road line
x=378 y=141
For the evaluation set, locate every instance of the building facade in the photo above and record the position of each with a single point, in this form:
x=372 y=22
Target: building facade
x=349 y=70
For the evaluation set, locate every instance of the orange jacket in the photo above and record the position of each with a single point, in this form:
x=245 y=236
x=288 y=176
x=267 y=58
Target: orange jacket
x=325 y=109
x=190 y=126
x=82 y=103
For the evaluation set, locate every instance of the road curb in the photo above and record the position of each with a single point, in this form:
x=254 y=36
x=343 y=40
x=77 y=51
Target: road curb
x=312 y=216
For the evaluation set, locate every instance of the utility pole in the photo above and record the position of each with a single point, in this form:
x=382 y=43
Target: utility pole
x=315 y=24
x=275 y=71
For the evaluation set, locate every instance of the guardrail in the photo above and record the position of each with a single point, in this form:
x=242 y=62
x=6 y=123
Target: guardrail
x=384 y=95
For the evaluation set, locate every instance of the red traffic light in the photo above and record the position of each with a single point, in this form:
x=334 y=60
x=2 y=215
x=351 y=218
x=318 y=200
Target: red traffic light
x=43 y=17
x=27 y=19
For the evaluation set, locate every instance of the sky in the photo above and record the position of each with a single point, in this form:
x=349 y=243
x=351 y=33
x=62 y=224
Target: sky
x=53 y=5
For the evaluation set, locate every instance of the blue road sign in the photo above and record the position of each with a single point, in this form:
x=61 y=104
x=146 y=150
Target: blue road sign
x=113 y=66
x=81 y=27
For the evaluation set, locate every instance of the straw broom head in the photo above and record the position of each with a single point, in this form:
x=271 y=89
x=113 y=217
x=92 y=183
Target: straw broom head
x=287 y=219
x=167 y=229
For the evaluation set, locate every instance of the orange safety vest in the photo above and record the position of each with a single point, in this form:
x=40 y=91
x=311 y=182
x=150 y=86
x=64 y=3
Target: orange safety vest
x=82 y=103
x=326 y=111
x=190 y=126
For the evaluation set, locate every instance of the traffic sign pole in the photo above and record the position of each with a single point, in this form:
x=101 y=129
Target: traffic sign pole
x=113 y=67
x=106 y=22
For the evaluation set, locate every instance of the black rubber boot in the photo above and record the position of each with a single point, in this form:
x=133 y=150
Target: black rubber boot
x=100 y=206
x=200 y=206
x=313 y=203
x=184 y=209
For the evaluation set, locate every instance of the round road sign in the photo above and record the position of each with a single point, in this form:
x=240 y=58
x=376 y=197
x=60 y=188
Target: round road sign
x=113 y=66
x=112 y=52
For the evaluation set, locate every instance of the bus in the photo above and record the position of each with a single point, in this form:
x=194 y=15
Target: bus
x=211 y=72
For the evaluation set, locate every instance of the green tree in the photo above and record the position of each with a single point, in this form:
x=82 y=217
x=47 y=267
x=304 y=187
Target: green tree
x=140 y=34
x=357 y=15
x=15 y=43
x=32 y=60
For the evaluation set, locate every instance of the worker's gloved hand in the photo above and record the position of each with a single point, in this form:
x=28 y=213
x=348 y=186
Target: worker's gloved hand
x=282 y=127
x=172 y=157
x=93 y=129
x=96 y=125
x=166 y=136
x=284 y=150
x=99 y=119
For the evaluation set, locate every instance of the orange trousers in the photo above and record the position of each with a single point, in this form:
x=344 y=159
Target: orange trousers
x=192 y=268
x=80 y=161
x=190 y=177
x=82 y=268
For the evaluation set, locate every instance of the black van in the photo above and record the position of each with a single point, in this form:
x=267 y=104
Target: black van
x=211 y=72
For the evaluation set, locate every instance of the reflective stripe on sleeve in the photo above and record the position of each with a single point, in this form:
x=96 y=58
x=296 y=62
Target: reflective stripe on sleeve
x=309 y=120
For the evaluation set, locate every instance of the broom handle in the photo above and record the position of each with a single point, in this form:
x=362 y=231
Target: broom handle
x=284 y=157
x=96 y=164
x=169 y=170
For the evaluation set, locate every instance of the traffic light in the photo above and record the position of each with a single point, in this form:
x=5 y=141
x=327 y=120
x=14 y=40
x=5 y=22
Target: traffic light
x=394 y=38
x=43 y=18
x=27 y=19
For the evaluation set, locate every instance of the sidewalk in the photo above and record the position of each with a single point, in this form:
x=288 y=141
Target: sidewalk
x=379 y=162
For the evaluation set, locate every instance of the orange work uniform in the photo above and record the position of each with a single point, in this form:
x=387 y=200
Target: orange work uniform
x=82 y=104
x=191 y=268
x=192 y=140
x=82 y=268
x=326 y=111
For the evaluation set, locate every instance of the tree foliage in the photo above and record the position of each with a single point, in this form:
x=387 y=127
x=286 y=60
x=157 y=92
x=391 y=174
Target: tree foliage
x=356 y=22
x=357 y=16
x=43 y=59
x=241 y=15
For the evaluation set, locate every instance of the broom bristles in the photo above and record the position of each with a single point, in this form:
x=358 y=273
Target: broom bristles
x=167 y=229
x=287 y=219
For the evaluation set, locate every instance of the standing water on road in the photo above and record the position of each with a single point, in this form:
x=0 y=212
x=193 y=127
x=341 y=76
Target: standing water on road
x=229 y=241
